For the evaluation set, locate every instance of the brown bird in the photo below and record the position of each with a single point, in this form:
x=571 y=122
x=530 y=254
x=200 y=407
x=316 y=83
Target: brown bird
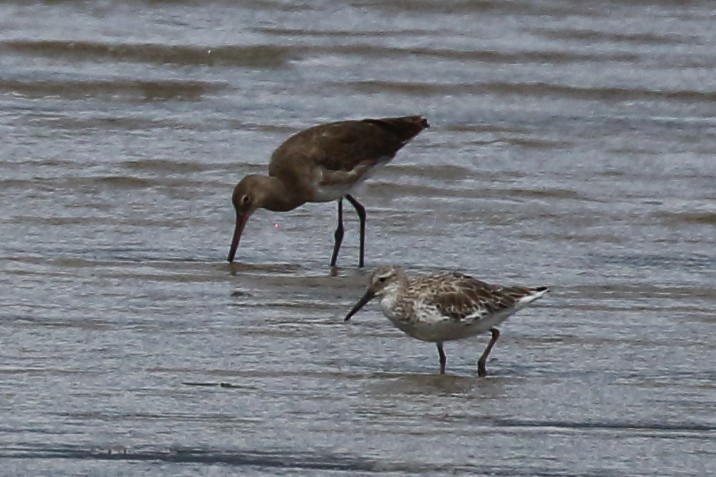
x=320 y=164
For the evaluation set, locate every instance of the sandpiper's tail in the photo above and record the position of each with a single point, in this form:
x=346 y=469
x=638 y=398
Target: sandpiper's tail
x=531 y=295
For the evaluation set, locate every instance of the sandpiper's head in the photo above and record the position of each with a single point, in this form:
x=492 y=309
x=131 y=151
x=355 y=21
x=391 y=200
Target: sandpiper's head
x=249 y=195
x=384 y=279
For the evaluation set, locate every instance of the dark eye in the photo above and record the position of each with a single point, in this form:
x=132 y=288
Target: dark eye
x=245 y=199
x=382 y=279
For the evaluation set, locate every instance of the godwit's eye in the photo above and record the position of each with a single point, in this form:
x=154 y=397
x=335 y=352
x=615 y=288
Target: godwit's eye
x=382 y=279
x=245 y=199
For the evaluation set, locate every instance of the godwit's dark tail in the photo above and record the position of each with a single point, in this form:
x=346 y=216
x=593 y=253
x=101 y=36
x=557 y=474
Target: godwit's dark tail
x=404 y=128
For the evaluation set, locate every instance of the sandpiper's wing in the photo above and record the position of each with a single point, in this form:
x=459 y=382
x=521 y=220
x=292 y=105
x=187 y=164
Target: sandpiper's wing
x=464 y=298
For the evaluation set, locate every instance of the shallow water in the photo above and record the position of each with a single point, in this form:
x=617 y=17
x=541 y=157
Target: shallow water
x=572 y=145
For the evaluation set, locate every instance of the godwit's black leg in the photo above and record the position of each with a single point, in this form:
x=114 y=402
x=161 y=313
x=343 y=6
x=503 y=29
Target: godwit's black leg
x=338 y=235
x=481 y=369
x=443 y=358
x=360 y=210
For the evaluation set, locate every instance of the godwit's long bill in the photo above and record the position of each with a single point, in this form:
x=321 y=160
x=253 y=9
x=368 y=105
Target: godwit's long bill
x=321 y=164
x=445 y=306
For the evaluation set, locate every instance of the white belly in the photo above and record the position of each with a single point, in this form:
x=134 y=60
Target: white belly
x=429 y=325
x=330 y=190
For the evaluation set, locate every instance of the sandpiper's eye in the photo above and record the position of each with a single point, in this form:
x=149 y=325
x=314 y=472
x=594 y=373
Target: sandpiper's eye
x=382 y=279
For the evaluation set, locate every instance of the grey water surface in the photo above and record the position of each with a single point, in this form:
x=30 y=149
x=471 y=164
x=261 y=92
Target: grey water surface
x=573 y=144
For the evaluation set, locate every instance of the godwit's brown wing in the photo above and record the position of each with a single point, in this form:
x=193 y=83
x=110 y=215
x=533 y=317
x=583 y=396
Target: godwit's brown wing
x=343 y=146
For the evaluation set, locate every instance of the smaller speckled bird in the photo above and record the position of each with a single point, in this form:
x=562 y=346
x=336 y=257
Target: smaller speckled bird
x=445 y=306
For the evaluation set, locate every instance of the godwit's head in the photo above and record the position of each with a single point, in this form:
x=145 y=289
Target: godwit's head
x=249 y=195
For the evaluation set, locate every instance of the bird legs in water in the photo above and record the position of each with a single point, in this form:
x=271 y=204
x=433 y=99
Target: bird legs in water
x=443 y=358
x=338 y=235
x=481 y=369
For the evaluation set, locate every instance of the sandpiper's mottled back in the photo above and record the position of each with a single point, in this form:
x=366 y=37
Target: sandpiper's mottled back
x=445 y=306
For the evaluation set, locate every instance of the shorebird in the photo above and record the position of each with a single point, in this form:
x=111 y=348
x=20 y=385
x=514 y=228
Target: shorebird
x=321 y=164
x=445 y=306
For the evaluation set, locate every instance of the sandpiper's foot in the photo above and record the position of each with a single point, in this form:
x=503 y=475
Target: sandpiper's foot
x=481 y=368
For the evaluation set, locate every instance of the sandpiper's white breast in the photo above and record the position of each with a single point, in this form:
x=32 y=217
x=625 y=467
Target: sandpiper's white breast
x=389 y=305
x=424 y=321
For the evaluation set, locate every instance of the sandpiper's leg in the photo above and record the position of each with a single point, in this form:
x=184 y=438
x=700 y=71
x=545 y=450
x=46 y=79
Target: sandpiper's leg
x=443 y=358
x=338 y=235
x=360 y=210
x=481 y=369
